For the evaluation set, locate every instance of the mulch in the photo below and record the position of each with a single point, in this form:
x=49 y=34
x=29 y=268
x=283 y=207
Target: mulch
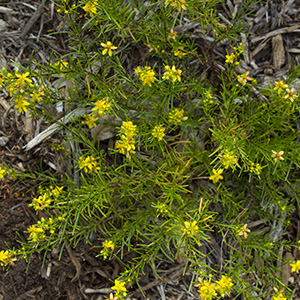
x=272 y=46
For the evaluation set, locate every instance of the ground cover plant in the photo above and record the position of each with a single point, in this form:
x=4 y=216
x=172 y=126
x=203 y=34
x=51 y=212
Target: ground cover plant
x=168 y=158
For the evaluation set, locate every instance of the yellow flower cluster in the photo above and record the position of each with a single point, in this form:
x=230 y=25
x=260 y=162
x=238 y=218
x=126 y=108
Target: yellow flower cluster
x=280 y=86
x=161 y=208
x=179 y=4
x=16 y=84
x=158 y=132
x=207 y=95
x=90 y=120
x=6 y=257
x=91 y=7
x=190 y=228
x=147 y=75
x=231 y=59
x=228 y=160
x=36 y=233
x=224 y=285
x=21 y=103
x=126 y=144
x=102 y=106
x=89 y=164
x=278 y=296
x=20 y=86
x=120 y=288
x=172 y=74
x=176 y=116
x=45 y=199
x=179 y=52
x=107 y=246
x=208 y=290
x=41 y=202
x=255 y=168
x=38 y=95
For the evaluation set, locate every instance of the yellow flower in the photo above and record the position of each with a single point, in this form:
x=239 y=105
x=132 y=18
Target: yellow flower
x=190 y=228
x=277 y=155
x=89 y=164
x=207 y=290
x=90 y=7
x=230 y=58
x=176 y=116
x=55 y=191
x=216 y=176
x=179 y=4
x=4 y=256
x=295 y=266
x=108 y=47
x=102 y=106
x=90 y=120
x=41 y=202
x=172 y=74
x=36 y=233
x=2 y=172
x=255 y=168
x=290 y=94
x=128 y=129
x=21 y=104
x=223 y=286
x=243 y=78
x=147 y=75
x=22 y=79
x=279 y=86
x=228 y=160
x=179 y=52
x=244 y=231
x=126 y=146
x=60 y=65
x=107 y=245
x=38 y=95
x=120 y=288
x=278 y=296
x=158 y=132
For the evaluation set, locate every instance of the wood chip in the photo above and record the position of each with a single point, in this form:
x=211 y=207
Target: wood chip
x=278 y=52
x=55 y=127
x=293 y=28
x=5 y=10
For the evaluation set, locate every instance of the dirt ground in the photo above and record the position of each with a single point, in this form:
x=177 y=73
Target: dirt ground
x=55 y=280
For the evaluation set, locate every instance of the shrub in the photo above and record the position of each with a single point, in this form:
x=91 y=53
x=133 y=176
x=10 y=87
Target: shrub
x=173 y=154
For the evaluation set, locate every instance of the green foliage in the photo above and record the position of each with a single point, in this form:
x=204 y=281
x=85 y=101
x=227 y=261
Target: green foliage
x=190 y=165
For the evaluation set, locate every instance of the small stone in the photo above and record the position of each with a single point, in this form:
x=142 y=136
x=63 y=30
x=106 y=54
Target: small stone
x=3 y=141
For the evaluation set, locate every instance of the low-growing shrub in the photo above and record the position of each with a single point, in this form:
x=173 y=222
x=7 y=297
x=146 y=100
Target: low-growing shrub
x=171 y=154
